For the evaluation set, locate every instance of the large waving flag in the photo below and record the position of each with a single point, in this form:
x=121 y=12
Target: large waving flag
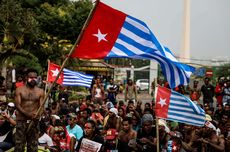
x=68 y=77
x=114 y=34
x=174 y=106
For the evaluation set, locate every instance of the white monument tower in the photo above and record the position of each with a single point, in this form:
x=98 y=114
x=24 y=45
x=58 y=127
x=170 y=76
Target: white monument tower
x=185 y=51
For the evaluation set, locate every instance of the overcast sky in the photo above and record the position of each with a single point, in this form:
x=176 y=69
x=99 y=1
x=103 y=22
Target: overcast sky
x=210 y=24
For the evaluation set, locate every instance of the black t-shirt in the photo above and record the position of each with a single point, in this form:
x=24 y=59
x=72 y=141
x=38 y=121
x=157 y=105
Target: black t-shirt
x=208 y=92
x=4 y=128
x=142 y=134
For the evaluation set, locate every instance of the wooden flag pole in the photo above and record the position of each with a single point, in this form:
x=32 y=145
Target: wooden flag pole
x=157 y=123
x=64 y=62
x=47 y=76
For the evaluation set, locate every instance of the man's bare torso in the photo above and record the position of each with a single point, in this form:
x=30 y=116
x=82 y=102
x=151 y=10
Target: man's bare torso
x=30 y=100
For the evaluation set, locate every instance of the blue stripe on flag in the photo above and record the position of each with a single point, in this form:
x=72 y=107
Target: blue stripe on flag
x=137 y=41
x=182 y=109
x=137 y=20
x=134 y=43
x=137 y=31
x=73 y=78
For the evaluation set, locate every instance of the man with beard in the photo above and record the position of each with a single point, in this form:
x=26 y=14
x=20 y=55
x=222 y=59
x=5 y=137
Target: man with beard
x=28 y=100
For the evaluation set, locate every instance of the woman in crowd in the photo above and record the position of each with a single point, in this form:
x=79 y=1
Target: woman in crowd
x=91 y=133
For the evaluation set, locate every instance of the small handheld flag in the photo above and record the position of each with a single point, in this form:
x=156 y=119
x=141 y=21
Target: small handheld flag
x=69 y=77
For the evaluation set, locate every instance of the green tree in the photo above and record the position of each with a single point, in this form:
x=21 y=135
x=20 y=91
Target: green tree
x=40 y=29
x=17 y=24
x=60 y=24
x=222 y=71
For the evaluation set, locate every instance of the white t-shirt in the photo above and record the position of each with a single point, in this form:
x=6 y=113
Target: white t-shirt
x=45 y=139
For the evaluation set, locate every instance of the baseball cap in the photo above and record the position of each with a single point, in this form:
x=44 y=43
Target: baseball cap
x=208 y=117
x=111 y=134
x=56 y=117
x=72 y=115
x=11 y=104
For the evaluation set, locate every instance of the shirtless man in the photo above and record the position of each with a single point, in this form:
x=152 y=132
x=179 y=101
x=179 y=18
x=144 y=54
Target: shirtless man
x=28 y=99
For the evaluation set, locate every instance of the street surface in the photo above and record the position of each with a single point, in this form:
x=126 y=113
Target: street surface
x=143 y=96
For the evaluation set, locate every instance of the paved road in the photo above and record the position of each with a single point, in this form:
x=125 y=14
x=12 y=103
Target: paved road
x=143 y=96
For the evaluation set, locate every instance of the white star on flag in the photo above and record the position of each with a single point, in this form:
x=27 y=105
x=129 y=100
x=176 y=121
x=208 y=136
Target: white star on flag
x=162 y=102
x=174 y=148
x=100 y=36
x=55 y=72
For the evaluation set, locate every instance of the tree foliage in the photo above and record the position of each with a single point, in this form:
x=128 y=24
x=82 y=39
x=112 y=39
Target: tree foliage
x=40 y=29
x=222 y=71
x=17 y=24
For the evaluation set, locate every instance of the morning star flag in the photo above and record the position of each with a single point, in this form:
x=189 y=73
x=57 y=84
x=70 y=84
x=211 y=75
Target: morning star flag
x=114 y=34
x=174 y=106
x=68 y=77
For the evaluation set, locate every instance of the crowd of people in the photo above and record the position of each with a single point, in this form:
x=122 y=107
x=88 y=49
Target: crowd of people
x=117 y=125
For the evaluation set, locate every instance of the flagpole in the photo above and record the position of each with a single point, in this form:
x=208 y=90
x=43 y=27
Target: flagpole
x=64 y=62
x=47 y=78
x=157 y=124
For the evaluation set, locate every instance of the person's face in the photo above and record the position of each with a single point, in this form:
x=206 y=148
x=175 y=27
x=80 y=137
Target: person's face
x=147 y=106
x=32 y=79
x=206 y=107
x=209 y=112
x=88 y=128
x=187 y=127
x=46 y=112
x=126 y=126
x=11 y=109
x=111 y=114
x=98 y=81
x=195 y=84
x=226 y=108
x=161 y=128
x=19 y=79
x=206 y=81
x=120 y=112
x=224 y=118
x=71 y=121
x=3 y=107
x=130 y=81
x=147 y=126
x=134 y=120
x=111 y=81
x=220 y=107
x=53 y=106
x=84 y=114
x=131 y=107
